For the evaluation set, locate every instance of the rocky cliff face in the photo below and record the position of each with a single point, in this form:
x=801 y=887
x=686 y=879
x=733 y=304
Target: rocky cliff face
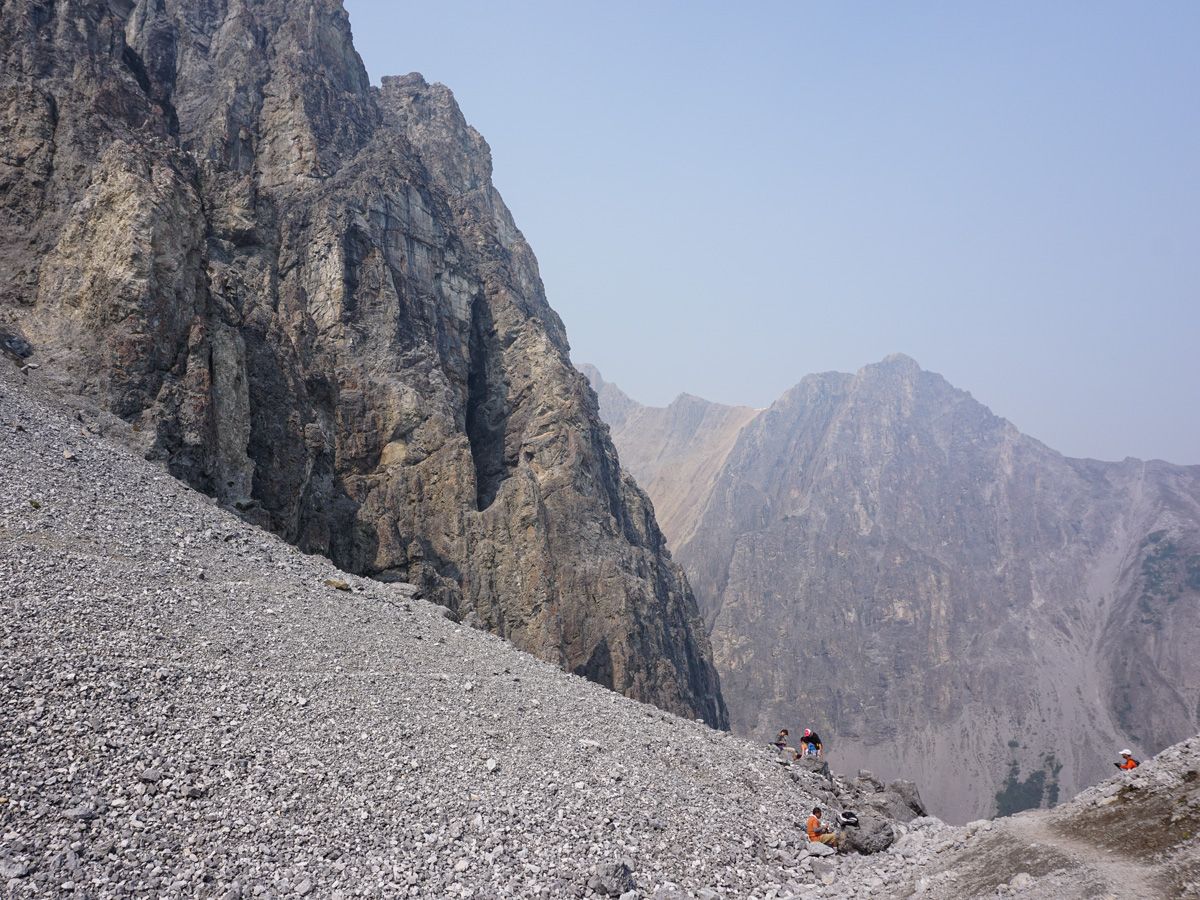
x=308 y=299
x=943 y=597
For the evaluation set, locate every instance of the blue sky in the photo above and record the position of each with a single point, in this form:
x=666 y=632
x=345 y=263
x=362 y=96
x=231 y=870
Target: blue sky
x=726 y=197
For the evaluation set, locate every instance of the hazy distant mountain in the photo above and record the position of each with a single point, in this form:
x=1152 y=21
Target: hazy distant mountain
x=943 y=597
x=676 y=451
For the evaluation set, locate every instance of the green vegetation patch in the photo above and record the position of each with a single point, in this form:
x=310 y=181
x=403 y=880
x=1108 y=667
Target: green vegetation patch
x=1166 y=571
x=1038 y=788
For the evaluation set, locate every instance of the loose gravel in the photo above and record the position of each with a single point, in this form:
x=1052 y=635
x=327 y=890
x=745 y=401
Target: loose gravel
x=190 y=707
x=1134 y=836
x=193 y=708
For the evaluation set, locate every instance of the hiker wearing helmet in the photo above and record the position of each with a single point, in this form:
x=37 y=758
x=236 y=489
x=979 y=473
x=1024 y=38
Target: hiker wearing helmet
x=811 y=744
x=818 y=833
x=1127 y=760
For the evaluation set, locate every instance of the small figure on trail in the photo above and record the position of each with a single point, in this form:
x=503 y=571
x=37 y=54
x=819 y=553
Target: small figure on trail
x=811 y=744
x=818 y=833
x=781 y=739
x=1127 y=760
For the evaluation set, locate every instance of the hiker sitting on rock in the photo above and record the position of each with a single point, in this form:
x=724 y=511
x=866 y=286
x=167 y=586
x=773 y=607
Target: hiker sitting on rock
x=818 y=833
x=810 y=744
x=781 y=740
x=1127 y=760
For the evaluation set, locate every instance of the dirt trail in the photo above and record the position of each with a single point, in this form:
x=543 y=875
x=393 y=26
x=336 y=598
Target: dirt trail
x=1124 y=876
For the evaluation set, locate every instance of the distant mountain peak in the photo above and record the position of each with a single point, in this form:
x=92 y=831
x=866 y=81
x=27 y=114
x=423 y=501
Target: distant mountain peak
x=888 y=527
x=615 y=405
x=899 y=360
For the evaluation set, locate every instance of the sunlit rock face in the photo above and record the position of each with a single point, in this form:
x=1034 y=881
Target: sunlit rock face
x=676 y=452
x=942 y=597
x=309 y=301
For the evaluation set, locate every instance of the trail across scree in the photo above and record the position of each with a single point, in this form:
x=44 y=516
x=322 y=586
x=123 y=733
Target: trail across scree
x=1125 y=876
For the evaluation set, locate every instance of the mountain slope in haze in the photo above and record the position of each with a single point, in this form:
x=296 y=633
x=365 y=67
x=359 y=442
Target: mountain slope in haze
x=308 y=300
x=883 y=558
x=675 y=452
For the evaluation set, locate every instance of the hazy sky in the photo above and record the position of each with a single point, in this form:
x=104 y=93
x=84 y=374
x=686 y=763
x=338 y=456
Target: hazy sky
x=724 y=197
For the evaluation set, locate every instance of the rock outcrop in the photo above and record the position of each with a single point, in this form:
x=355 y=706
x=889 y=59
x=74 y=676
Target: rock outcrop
x=307 y=299
x=943 y=597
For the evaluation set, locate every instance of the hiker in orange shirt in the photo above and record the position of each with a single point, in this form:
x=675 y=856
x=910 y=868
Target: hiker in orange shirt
x=1127 y=760
x=818 y=833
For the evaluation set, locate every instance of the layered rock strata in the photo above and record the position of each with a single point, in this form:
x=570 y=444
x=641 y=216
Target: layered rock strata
x=308 y=300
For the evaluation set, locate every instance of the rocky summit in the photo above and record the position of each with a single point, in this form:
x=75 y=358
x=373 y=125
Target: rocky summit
x=942 y=597
x=303 y=295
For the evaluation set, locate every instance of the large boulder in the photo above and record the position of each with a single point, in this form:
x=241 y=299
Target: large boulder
x=874 y=834
x=816 y=766
x=612 y=879
x=867 y=783
x=899 y=801
x=908 y=804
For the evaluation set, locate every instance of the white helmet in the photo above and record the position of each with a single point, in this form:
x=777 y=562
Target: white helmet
x=1127 y=753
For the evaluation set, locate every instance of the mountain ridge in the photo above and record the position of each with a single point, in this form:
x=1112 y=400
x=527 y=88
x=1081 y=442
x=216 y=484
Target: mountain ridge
x=694 y=438
x=879 y=546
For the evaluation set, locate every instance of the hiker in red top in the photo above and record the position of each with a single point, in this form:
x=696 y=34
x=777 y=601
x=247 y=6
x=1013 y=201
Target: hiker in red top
x=818 y=833
x=810 y=744
x=1127 y=760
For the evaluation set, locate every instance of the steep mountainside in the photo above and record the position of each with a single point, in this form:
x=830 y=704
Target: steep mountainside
x=943 y=597
x=675 y=452
x=190 y=707
x=309 y=301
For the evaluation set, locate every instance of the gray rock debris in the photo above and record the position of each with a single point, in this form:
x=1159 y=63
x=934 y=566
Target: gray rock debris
x=255 y=733
x=1135 y=835
x=613 y=879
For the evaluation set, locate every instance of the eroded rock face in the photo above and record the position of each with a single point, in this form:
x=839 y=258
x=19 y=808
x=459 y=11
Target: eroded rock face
x=942 y=597
x=308 y=299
